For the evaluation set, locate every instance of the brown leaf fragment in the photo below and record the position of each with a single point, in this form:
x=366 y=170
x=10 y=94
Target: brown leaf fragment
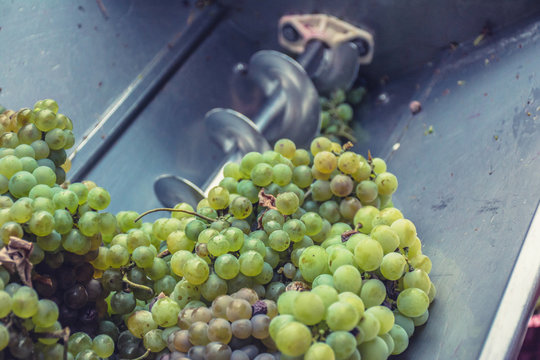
x=267 y=200
x=348 y=145
x=15 y=258
x=298 y=286
x=369 y=158
x=347 y=234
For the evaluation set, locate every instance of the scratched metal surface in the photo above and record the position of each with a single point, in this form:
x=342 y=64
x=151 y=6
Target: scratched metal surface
x=472 y=186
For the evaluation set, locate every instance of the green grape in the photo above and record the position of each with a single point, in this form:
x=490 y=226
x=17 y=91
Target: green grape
x=323 y=279
x=79 y=342
x=412 y=302
x=69 y=139
x=421 y=261
x=405 y=322
x=432 y=292
x=266 y=275
x=25 y=302
x=375 y=349
x=347 y=278
x=89 y=223
x=387 y=237
x=344 y=112
x=281 y=174
x=178 y=240
x=103 y=346
x=293 y=339
x=218 y=198
x=285 y=147
x=400 y=338
x=342 y=343
x=235 y=237
x=28 y=134
x=327 y=293
x=387 y=183
x=107 y=223
x=272 y=158
x=219 y=330
x=41 y=149
x=24 y=150
x=348 y=207
x=296 y=190
x=5 y=216
x=330 y=211
x=9 y=140
x=368 y=254
x=261 y=174
x=384 y=316
x=21 y=210
x=232 y=170
x=308 y=308
x=117 y=256
x=379 y=165
x=49 y=329
x=373 y=292
x=29 y=164
x=366 y=191
x=319 y=144
x=101 y=262
x=194 y=228
x=279 y=240
x=4 y=337
x=405 y=230
x=341 y=316
x=320 y=190
x=319 y=351
x=301 y=157
x=241 y=207
x=178 y=260
x=196 y=270
x=9 y=229
x=41 y=223
x=218 y=245
x=348 y=162
x=63 y=222
x=364 y=218
x=45 y=120
x=295 y=228
x=247 y=189
x=4 y=184
x=7 y=303
x=56 y=139
x=417 y=278
x=41 y=190
x=393 y=265
x=341 y=185
x=313 y=223
x=153 y=341
x=80 y=190
x=325 y=162
x=98 y=198
x=278 y=322
x=136 y=238
x=249 y=161
x=213 y=287
x=158 y=269
x=44 y=175
x=165 y=285
x=253 y=244
x=302 y=176
x=44 y=204
x=251 y=263
x=313 y=262
x=66 y=199
x=47 y=313
x=143 y=257
x=422 y=319
x=21 y=183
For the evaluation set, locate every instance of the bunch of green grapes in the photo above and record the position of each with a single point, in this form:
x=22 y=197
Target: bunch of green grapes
x=63 y=226
x=337 y=114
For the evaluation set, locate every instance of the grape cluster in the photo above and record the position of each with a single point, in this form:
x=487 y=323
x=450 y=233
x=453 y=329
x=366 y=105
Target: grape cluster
x=295 y=254
x=337 y=114
x=52 y=288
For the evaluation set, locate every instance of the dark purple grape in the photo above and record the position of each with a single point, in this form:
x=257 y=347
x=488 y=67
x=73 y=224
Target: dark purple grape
x=45 y=286
x=22 y=349
x=84 y=272
x=137 y=276
x=76 y=297
x=101 y=307
x=94 y=290
x=67 y=316
x=66 y=278
x=54 y=260
x=91 y=329
x=112 y=280
x=73 y=258
x=88 y=315
x=109 y=328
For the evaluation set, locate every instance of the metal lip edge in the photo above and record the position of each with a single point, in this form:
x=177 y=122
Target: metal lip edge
x=128 y=105
x=507 y=333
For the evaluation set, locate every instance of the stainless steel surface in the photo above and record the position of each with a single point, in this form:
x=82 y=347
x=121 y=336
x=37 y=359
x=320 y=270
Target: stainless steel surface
x=514 y=311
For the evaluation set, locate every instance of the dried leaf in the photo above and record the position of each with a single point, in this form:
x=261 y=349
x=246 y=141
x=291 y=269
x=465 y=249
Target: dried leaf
x=298 y=286
x=347 y=234
x=15 y=258
x=267 y=200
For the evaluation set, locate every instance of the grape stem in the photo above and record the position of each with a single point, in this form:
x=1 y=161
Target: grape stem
x=174 y=210
x=143 y=356
x=135 y=285
x=163 y=253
